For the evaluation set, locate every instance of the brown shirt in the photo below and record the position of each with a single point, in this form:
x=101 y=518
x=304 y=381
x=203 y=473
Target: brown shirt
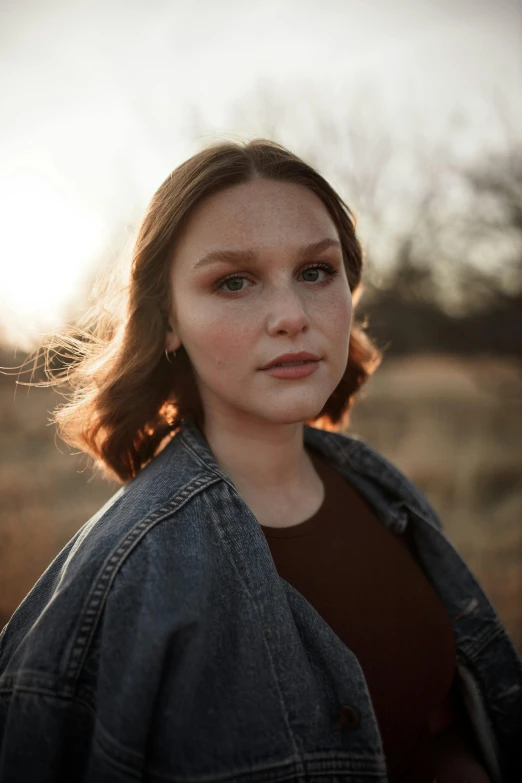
x=365 y=583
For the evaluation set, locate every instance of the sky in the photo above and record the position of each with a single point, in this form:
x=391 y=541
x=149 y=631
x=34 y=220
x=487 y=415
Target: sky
x=102 y=99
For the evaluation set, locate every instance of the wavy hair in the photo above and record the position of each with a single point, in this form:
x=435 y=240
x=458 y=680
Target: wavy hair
x=127 y=400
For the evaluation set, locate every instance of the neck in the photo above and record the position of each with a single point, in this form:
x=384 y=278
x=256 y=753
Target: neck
x=262 y=457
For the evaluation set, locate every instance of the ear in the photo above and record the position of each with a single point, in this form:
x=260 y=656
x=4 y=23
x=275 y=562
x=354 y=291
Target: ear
x=172 y=341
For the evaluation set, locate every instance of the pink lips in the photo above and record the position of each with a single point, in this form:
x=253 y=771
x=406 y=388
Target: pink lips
x=291 y=357
x=298 y=371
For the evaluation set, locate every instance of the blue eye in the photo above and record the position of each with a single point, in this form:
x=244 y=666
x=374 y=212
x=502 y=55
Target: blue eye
x=329 y=271
x=234 y=279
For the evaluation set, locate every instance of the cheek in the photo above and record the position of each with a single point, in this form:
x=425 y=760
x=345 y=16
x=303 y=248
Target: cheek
x=217 y=336
x=335 y=315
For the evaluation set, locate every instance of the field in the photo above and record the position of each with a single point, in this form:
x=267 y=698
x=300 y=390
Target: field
x=453 y=425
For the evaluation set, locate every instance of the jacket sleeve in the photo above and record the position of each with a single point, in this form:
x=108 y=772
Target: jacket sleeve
x=43 y=738
x=46 y=729
x=91 y=726
x=36 y=725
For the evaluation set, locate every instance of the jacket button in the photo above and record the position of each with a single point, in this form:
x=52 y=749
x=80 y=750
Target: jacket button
x=347 y=718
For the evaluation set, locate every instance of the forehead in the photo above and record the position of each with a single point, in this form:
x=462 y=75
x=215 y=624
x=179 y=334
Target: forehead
x=255 y=214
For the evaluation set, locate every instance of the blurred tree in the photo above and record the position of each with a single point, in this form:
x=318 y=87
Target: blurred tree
x=447 y=290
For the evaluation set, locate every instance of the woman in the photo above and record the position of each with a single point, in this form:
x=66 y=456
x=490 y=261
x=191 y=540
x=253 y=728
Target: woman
x=265 y=598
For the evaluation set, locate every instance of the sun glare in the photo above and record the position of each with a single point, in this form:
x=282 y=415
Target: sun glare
x=48 y=242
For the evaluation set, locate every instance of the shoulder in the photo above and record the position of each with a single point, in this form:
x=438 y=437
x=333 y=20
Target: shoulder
x=98 y=621
x=116 y=554
x=356 y=453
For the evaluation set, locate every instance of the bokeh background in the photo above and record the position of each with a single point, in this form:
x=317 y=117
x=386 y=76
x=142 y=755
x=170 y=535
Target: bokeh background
x=411 y=108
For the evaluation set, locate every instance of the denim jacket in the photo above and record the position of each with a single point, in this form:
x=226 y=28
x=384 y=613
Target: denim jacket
x=162 y=645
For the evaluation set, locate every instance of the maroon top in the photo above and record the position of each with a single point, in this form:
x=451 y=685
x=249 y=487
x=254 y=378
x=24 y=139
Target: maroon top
x=365 y=583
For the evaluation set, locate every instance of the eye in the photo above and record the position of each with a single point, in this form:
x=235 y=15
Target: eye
x=231 y=279
x=329 y=271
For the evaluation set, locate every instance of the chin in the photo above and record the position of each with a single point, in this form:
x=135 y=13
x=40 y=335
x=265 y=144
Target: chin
x=296 y=414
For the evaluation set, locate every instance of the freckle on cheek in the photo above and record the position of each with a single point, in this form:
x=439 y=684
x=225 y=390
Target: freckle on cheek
x=222 y=340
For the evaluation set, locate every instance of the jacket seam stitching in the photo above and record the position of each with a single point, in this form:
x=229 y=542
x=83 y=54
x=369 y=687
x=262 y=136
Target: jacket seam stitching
x=112 y=565
x=187 y=445
x=65 y=695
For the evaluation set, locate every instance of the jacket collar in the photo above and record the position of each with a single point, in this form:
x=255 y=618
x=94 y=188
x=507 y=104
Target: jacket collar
x=377 y=479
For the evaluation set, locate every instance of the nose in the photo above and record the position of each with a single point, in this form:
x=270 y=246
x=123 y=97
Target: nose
x=286 y=311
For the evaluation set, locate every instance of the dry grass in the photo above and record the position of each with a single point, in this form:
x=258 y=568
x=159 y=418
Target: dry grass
x=454 y=426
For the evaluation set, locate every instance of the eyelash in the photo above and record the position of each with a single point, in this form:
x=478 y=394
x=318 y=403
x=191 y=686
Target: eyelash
x=330 y=271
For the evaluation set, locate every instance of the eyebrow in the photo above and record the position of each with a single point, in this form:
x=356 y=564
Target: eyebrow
x=242 y=256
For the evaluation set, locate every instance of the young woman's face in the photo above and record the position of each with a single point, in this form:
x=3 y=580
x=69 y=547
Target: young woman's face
x=282 y=301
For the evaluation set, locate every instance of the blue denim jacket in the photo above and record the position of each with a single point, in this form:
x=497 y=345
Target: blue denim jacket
x=162 y=645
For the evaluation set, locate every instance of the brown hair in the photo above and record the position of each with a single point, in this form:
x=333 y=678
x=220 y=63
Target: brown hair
x=127 y=398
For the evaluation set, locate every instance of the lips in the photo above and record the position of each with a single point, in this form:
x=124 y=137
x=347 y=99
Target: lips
x=293 y=364
x=302 y=356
